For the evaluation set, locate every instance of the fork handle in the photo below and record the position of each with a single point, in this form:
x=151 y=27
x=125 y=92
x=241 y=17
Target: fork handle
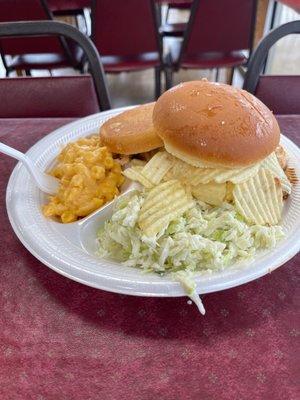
x=10 y=151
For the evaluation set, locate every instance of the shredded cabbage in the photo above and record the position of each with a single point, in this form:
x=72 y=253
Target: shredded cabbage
x=205 y=238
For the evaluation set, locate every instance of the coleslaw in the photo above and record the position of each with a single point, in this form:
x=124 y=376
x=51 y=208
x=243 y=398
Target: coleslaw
x=205 y=238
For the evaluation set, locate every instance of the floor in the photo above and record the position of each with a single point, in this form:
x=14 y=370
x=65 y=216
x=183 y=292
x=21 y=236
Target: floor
x=138 y=87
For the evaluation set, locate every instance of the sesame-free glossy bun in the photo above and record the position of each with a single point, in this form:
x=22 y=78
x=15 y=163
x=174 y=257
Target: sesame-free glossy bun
x=131 y=132
x=217 y=125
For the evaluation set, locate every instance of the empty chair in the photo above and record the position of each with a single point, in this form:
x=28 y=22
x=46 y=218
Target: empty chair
x=35 y=53
x=280 y=93
x=71 y=96
x=217 y=36
x=126 y=35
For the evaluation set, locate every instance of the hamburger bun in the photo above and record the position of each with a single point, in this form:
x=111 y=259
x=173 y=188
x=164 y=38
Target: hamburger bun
x=131 y=132
x=215 y=125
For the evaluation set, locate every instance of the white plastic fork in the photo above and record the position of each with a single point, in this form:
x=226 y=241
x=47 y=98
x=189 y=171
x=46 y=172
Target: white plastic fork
x=46 y=183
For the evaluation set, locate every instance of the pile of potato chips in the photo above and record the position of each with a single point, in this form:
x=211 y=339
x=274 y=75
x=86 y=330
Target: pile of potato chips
x=257 y=191
x=163 y=203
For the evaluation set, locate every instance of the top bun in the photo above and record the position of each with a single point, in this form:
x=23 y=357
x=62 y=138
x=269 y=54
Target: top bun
x=215 y=125
x=131 y=132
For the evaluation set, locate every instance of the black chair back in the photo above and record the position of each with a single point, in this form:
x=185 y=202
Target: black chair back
x=59 y=29
x=280 y=93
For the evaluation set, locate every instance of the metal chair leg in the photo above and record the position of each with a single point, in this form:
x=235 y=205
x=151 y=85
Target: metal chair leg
x=167 y=13
x=230 y=73
x=157 y=82
x=217 y=74
x=231 y=76
x=169 y=77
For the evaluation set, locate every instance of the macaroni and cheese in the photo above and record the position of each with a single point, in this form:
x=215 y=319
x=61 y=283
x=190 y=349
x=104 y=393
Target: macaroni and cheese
x=89 y=178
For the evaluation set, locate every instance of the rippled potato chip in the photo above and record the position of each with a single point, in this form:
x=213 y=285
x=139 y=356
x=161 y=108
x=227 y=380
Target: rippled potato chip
x=157 y=167
x=210 y=193
x=236 y=175
x=195 y=176
x=134 y=173
x=259 y=200
x=163 y=166
x=136 y=162
x=271 y=163
x=163 y=203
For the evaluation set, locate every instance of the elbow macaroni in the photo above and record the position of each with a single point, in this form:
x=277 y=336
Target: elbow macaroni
x=89 y=178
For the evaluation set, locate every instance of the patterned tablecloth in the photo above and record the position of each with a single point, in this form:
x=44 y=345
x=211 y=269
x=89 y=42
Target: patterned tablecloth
x=60 y=340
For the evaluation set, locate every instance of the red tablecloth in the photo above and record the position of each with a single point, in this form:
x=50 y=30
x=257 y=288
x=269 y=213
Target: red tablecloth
x=61 y=340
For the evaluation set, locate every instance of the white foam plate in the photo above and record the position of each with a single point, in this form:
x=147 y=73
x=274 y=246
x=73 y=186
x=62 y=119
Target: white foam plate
x=70 y=249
